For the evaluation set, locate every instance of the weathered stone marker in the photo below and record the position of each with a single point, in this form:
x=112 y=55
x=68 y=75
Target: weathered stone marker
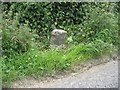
x=58 y=38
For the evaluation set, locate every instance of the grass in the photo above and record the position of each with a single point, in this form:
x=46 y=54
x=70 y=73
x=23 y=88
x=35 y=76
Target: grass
x=40 y=63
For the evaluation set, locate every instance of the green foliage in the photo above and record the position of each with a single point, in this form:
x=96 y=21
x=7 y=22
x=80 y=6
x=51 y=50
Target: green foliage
x=44 y=17
x=48 y=62
x=82 y=20
x=92 y=32
x=15 y=38
x=101 y=24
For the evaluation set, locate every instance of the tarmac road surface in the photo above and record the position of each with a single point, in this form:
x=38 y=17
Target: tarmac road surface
x=101 y=76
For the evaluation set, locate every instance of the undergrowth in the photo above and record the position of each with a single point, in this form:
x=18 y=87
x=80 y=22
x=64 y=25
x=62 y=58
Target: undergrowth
x=26 y=52
x=40 y=63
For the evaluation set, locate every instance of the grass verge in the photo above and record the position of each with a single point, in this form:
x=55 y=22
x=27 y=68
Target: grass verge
x=40 y=63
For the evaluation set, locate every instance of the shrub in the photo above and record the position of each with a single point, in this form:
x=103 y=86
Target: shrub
x=101 y=25
x=80 y=19
x=15 y=38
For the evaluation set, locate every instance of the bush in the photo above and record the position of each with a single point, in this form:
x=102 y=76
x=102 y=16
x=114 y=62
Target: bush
x=81 y=19
x=15 y=38
x=101 y=25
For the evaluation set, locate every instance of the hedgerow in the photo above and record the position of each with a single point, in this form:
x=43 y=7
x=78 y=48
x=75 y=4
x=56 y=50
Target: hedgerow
x=92 y=30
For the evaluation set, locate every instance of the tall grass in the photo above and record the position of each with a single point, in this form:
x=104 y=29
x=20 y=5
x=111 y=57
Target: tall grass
x=39 y=63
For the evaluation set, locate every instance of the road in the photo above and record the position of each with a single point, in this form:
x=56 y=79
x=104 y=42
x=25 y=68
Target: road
x=100 y=76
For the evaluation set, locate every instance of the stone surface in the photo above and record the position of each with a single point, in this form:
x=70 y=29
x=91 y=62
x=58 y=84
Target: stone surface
x=58 y=38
